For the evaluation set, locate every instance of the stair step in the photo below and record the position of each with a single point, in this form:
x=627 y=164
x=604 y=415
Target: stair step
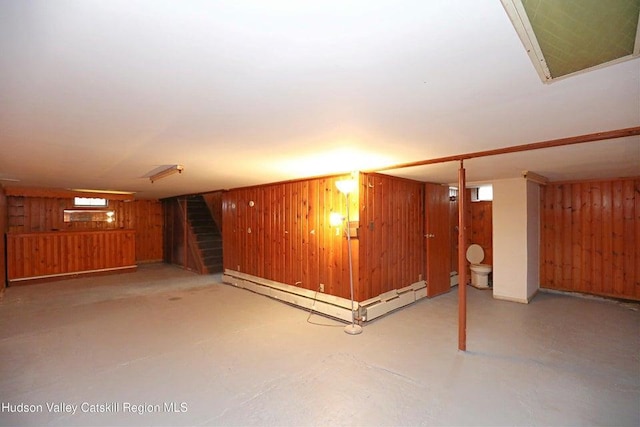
x=207 y=233
x=203 y=227
x=210 y=237
x=211 y=252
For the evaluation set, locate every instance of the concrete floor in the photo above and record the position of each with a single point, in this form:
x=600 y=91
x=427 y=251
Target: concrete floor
x=226 y=356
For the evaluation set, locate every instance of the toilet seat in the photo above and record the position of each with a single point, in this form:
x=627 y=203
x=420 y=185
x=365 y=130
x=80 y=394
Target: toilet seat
x=475 y=254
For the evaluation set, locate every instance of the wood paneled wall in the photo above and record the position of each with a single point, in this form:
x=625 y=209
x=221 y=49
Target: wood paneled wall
x=214 y=202
x=149 y=223
x=34 y=255
x=391 y=234
x=453 y=223
x=481 y=231
x=479 y=225
x=44 y=214
x=35 y=214
x=281 y=232
x=589 y=237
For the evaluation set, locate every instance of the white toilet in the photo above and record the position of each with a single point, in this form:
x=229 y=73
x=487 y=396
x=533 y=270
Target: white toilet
x=479 y=272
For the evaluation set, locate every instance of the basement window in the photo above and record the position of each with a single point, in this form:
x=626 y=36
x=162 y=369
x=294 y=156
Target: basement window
x=90 y=202
x=484 y=193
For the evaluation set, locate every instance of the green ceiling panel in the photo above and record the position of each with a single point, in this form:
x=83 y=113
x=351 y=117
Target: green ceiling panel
x=578 y=34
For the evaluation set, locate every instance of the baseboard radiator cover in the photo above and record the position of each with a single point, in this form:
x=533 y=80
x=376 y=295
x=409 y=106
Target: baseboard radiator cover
x=329 y=305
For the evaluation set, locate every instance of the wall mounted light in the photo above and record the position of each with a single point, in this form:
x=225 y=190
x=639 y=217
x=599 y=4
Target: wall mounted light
x=166 y=172
x=335 y=219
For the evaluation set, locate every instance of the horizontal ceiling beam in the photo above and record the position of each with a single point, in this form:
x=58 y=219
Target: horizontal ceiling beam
x=581 y=139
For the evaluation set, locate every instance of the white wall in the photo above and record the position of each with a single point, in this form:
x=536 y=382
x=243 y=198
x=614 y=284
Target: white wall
x=533 y=239
x=516 y=208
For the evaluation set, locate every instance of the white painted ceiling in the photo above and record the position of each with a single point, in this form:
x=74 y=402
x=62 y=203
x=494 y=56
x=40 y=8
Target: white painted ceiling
x=98 y=94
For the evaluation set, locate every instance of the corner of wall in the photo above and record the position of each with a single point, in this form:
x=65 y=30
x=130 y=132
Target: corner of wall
x=516 y=216
x=533 y=239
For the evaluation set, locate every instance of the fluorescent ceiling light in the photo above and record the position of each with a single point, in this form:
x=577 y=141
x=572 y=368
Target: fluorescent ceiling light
x=166 y=172
x=84 y=190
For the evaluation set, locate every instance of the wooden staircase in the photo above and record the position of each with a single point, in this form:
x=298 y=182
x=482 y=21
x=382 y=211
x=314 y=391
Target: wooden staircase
x=207 y=234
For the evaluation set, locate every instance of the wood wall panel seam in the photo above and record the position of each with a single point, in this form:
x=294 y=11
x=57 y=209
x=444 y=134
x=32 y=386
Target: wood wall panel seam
x=31 y=256
x=589 y=237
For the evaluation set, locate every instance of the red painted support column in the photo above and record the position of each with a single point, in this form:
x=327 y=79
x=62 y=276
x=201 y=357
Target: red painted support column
x=462 y=262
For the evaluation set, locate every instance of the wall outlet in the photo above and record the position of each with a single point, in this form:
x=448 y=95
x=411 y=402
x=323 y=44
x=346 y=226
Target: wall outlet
x=321 y=287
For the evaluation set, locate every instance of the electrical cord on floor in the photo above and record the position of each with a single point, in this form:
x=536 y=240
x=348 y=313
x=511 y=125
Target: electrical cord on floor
x=311 y=312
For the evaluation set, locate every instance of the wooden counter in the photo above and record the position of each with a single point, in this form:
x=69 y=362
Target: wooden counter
x=54 y=255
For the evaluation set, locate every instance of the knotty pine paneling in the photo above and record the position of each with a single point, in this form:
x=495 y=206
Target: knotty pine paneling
x=281 y=232
x=453 y=224
x=36 y=214
x=391 y=234
x=481 y=231
x=479 y=226
x=44 y=214
x=148 y=223
x=34 y=255
x=214 y=202
x=589 y=237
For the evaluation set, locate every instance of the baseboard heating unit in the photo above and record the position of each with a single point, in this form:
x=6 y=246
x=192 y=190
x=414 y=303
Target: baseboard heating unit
x=329 y=305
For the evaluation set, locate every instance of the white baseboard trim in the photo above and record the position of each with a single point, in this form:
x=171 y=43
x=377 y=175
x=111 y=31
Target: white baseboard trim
x=329 y=305
x=511 y=299
x=70 y=274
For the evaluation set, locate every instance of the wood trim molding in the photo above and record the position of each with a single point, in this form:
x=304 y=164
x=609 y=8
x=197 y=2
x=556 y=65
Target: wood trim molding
x=74 y=275
x=581 y=181
x=63 y=193
x=580 y=139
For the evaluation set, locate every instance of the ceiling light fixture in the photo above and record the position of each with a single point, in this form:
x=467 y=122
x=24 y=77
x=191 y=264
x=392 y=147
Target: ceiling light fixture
x=86 y=190
x=166 y=172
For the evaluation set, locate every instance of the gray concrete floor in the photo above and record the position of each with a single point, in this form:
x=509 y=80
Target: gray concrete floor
x=226 y=356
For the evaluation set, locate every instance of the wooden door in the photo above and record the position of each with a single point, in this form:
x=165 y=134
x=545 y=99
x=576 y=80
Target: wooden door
x=437 y=236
